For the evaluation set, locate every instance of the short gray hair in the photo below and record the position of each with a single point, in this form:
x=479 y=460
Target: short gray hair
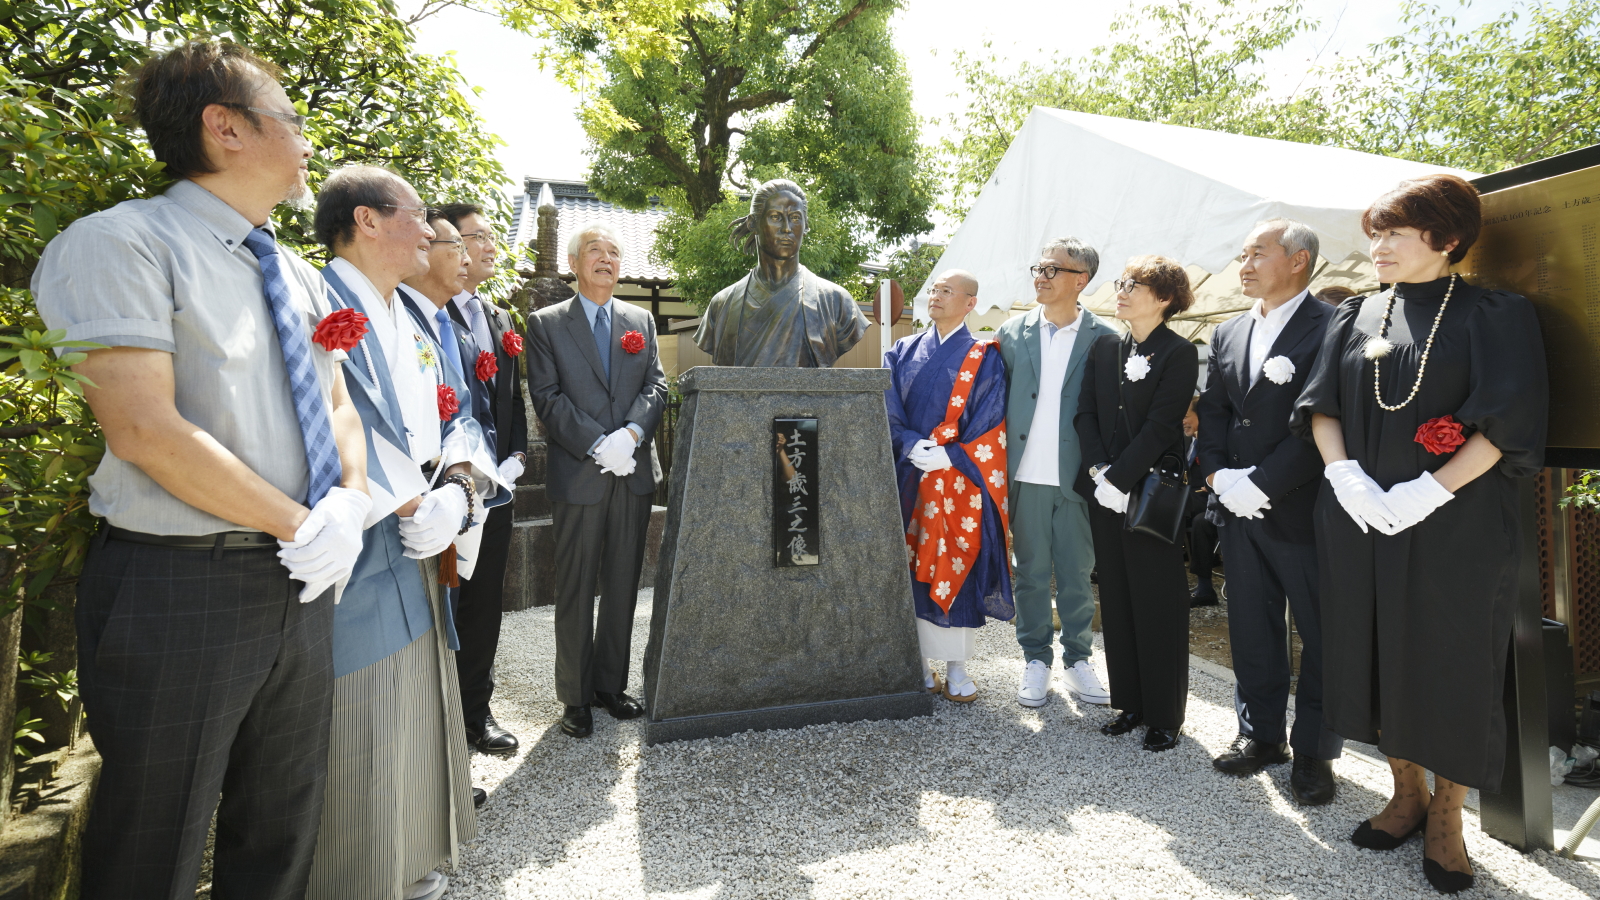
x=592 y=230
x=1081 y=253
x=1292 y=236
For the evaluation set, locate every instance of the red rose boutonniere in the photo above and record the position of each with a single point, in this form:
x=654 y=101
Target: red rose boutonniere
x=512 y=342
x=633 y=342
x=340 y=330
x=448 y=405
x=1441 y=435
x=486 y=367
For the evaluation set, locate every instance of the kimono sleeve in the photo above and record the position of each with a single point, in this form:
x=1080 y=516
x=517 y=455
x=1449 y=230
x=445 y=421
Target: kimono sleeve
x=1509 y=391
x=1322 y=391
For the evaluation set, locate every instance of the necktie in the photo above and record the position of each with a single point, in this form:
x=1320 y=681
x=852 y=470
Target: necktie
x=447 y=337
x=322 y=456
x=602 y=340
x=480 y=329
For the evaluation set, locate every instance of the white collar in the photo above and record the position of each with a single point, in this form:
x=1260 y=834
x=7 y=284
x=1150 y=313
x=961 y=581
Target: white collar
x=1277 y=317
x=939 y=339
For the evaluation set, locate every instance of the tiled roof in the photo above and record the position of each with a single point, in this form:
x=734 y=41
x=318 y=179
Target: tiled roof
x=577 y=207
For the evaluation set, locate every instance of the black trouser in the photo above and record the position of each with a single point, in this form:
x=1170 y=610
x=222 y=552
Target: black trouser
x=202 y=675
x=1201 y=538
x=478 y=610
x=1262 y=572
x=1144 y=615
x=599 y=550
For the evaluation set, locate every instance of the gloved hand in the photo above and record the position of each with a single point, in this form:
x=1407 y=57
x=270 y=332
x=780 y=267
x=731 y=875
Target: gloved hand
x=511 y=470
x=436 y=522
x=1244 y=499
x=326 y=544
x=615 y=450
x=932 y=459
x=624 y=470
x=1107 y=495
x=1412 y=501
x=1360 y=496
x=1223 y=479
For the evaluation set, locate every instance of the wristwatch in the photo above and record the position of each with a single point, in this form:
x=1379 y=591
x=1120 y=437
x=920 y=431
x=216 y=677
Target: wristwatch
x=1094 y=471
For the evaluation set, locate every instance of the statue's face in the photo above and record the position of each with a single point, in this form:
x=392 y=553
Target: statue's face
x=783 y=227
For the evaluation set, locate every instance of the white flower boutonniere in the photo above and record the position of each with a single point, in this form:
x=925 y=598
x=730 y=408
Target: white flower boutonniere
x=1278 y=370
x=1137 y=367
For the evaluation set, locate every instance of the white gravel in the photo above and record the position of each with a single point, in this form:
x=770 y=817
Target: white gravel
x=986 y=800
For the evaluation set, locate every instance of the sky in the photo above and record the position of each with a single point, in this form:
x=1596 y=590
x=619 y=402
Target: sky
x=536 y=116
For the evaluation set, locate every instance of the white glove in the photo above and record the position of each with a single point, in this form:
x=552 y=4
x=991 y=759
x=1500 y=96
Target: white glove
x=1223 y=479
x=1108 y=496
x=933 y=459
x=1412 y=501
x=511 y=470
x=325 y=546
x=624 y=470
x=436 y=522
x=615 y=449
x=1360 y=496
x=1244 y=499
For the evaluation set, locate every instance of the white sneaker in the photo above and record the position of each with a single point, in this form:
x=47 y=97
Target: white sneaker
x=1035 y=684
x=431 y=887
x=1084 y=685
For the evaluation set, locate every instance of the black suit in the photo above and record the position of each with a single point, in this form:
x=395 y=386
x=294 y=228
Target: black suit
x=1144 y=601
x=599 y=520
x=1200 y=532
x=481 y=599
x=1273 y=557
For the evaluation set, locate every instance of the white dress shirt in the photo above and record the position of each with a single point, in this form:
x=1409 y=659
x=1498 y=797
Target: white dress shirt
x=1041 y=463
x=1266 y=328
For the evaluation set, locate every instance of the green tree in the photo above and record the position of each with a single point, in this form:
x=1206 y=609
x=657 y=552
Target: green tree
x=815 y=88
x=1200 y=65
x=1519 y=88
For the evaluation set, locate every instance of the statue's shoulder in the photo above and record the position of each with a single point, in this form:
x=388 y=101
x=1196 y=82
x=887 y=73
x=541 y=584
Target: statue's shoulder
x=733 y=290
x=826 y=290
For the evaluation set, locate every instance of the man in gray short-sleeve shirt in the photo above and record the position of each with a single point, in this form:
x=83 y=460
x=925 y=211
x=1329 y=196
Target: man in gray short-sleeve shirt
x=204 y=658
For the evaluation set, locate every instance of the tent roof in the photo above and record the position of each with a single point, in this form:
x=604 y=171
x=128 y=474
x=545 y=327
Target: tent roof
x=1128 y=188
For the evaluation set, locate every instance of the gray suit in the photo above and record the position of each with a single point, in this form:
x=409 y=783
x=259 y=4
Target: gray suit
x=596 y=518
x=1049 y=525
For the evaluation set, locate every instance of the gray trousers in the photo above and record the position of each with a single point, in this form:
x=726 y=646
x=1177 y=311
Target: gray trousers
x=599 y=551
x=1050 y=532
x=202 y=677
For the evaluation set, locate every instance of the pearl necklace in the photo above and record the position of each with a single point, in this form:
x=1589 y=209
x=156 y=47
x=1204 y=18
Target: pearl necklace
x=1378 y=348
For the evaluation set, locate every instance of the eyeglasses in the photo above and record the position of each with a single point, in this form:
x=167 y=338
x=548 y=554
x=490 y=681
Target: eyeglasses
x=455 y=243
x=945 y=293
x=1050 y=272
x=420 y=213
x=297 y=121
x=1126 y=285
x=486 y=238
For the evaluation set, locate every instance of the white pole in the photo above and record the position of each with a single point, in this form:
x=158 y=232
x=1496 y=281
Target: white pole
x=886 y=331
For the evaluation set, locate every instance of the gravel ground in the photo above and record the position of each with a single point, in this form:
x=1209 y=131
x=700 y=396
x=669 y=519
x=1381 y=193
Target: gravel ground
x=989 y=800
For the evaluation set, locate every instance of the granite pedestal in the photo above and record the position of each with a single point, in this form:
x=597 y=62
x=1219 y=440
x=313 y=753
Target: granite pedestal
x=738 y=643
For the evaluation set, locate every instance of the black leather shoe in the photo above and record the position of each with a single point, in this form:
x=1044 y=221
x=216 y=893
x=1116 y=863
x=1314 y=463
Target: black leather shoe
x=479 y=797
x=621 y=706
x=1311 y=780
x=1122 y=724
x=1370 y=838
x=1443 y=880
x=1159 y=739
x=577 y=722
x=1203 y=594
x=1247 y=756
x=492 y=738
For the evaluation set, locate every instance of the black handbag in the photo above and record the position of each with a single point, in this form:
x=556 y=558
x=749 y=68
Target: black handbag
x=1157 y=503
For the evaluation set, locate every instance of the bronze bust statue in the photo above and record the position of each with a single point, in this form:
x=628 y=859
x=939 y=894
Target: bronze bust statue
x=780 y=314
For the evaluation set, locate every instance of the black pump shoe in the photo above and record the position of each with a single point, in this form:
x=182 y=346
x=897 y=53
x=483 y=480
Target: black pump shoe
x=1443 y=880
x=1370 y=838
x=1122 y=724
x=1159 y=739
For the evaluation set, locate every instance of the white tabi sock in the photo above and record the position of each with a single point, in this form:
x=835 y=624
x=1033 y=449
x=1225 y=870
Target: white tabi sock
x=960 y=683
x=927 y=674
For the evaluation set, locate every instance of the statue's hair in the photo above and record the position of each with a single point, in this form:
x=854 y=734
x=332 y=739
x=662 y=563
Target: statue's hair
x=744 y=227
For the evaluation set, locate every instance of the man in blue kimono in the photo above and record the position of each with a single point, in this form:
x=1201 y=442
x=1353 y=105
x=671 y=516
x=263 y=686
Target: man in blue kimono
x=947 y=424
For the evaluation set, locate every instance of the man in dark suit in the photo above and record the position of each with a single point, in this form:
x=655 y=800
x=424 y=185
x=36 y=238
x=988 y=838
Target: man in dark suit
x=1199 y=531
x=595 y=379
x=1266 y=480
x=481 y=600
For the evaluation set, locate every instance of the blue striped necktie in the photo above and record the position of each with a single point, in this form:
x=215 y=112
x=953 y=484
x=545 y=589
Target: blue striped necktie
x=322 y=455
x=452 y=348
x=602 y=340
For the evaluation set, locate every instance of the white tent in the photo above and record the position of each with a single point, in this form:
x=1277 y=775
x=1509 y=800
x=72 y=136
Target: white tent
x=1129 y=188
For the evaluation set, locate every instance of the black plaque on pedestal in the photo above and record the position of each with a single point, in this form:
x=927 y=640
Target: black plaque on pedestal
x=796 y=537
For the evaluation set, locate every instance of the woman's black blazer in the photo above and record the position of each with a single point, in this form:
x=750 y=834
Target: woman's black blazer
x=1155 y=404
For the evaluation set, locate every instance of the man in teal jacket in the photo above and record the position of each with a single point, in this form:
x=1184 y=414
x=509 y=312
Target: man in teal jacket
x=1044 y=352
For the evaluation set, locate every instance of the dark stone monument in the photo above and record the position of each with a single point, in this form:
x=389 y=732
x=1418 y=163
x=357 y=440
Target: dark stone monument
x=750 y=629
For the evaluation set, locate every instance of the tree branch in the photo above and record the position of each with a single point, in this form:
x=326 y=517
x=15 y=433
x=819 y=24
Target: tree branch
x=838 y=25
x=30 y=429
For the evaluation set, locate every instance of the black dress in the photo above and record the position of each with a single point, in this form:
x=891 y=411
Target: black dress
x=1417 y=626
x=1144 y=595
